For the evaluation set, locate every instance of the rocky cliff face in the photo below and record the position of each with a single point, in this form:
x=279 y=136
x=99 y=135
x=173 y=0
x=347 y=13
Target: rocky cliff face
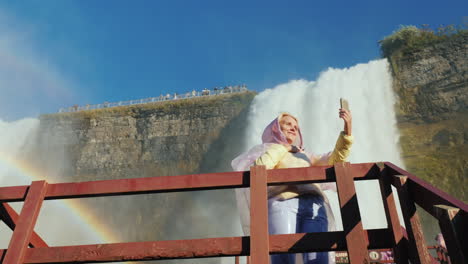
x=432 y=88
x=167 y=138
x=432 y=82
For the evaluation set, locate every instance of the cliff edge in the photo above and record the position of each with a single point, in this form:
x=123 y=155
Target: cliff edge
x=430 y=78
x=155 y=139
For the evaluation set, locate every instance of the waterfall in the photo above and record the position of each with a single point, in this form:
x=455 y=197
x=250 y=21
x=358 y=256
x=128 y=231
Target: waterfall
x=58 y=223
x=368 y=88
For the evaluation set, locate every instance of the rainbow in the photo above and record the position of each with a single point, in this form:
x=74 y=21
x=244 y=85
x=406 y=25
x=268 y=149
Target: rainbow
x=34 y=174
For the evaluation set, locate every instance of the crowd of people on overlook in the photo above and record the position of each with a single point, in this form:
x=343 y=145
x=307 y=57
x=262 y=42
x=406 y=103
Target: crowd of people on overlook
x=167 y=97
x=205 y=92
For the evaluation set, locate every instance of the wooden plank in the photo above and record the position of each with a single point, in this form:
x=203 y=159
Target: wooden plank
x=179 y=183
x=352 y=225
x=417 y=248
x=454 y=225
x=424 y=194
x=13 y=193
x=132 y=251
x=190 y=182
x=25 y=225
x=10 y=218
x=259 y=215
x=199 y=248
x=361 y=171
x=400 y=247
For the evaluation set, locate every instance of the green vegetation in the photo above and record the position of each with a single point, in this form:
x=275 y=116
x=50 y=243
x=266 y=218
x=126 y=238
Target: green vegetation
x=437 y=153
x=433 y=150
x=408 y=39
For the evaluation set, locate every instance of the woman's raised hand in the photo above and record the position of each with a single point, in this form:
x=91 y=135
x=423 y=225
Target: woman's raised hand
x=346 y=116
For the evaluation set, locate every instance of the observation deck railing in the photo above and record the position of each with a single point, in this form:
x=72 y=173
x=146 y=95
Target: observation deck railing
x=408 y=244
x=161 y=98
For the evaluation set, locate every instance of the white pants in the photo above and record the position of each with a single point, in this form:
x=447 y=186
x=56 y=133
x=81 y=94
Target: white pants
x=303 y=214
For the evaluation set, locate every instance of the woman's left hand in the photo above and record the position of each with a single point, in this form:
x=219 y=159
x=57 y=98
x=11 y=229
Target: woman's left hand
x=346 y=116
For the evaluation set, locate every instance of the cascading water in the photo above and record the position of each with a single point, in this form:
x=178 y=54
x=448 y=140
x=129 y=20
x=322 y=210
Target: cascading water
x=57 y=224
x=368 y=89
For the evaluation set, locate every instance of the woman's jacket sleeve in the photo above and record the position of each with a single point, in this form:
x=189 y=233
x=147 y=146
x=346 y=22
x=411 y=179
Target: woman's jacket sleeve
x=342 y=149
x=272 y=156
x=339 y=154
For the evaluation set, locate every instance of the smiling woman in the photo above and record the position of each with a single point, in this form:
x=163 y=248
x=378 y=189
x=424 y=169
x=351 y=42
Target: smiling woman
x=289 y=127
x=294 y=208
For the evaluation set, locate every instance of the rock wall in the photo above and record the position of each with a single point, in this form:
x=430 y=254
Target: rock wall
x=432 y=83
x=432 y=111
x=168 y=138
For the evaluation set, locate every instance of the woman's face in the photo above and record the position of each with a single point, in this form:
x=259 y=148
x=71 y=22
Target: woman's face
x=289 y=127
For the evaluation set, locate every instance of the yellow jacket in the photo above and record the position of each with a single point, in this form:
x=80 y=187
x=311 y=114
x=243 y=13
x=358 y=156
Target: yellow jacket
x=277 y=156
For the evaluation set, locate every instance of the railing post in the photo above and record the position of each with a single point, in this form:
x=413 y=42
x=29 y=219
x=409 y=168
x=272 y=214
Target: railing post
x=26 y=221
x=454 y=231
x=10 y=217
x=259 y=237
x=400 y=248
x=417 y=248
x=355 y=236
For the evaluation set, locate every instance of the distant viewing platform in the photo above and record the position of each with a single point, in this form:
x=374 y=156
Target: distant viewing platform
x=162 y=98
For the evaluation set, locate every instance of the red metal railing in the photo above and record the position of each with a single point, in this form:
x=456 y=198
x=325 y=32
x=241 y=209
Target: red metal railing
x=408 y=245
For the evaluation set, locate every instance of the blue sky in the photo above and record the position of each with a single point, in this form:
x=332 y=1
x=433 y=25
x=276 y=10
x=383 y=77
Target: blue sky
x=56 y=53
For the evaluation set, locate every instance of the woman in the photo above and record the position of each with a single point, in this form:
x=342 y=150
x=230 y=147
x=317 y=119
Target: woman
x=293 y=208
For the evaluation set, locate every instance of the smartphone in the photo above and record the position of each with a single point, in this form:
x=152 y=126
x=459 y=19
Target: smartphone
x=344 y=104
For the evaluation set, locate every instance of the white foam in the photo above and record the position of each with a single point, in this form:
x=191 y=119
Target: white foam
x=58 y=224
x=368 y=88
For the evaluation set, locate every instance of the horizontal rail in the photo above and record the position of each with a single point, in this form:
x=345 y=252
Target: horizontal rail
x=26 y=221
x=197 y=248
x=424 y=194
x=192 y=182
x=10 y=218
x=132 y=186
x=318 y=174
x=230 y=246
